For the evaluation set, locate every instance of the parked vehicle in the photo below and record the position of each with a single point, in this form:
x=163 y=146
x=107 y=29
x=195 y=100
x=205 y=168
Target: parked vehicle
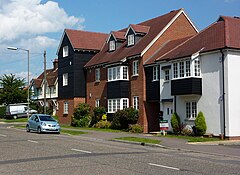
x=18 y=110
x=42 y=123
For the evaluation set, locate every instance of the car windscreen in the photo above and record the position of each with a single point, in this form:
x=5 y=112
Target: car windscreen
x=46 y=118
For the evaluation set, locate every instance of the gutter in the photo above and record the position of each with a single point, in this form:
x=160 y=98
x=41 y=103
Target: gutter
x=223 y=95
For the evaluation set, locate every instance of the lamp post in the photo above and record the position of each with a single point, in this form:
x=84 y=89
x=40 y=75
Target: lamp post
x=28 y=98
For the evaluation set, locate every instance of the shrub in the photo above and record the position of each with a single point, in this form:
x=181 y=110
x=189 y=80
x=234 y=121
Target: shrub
x=81 y=115
x=2 y=111
x=123 y=118
x=176 y=124
x=200 y=124
x=97 y=114
x=103 y=124
x=135 y=128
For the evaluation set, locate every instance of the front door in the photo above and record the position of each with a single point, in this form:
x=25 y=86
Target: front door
x=167 y=113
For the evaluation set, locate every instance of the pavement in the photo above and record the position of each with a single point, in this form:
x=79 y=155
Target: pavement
x=227 y=148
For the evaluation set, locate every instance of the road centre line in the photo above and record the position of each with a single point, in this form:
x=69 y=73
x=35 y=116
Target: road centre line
x=32 y=141
x=2 y=135
x=163 y=166
x=78 y=150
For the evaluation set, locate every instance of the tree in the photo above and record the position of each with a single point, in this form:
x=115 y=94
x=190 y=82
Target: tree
x=200 y=124
x=12 y=90
x=176 y=123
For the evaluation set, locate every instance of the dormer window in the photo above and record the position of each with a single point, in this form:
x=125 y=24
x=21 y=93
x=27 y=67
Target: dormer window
x=131 y=40
x=112 y=45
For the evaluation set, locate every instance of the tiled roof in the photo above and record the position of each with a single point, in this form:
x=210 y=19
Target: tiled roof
x=221 y=34
x=119 y=35
x=86 y=40
x=140 y=28
x=156 y=25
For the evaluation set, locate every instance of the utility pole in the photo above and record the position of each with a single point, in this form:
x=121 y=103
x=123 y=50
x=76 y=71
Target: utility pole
x=45 y=81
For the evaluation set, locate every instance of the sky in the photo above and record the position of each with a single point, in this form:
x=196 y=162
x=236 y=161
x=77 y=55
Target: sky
x=38 y=25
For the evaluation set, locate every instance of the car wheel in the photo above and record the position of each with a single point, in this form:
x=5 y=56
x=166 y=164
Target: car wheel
x=39 y=130
x=27 y=128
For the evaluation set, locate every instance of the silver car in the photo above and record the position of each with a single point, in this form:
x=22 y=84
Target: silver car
x=42 y=123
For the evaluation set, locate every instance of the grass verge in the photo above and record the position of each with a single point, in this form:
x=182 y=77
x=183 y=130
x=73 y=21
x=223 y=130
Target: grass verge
x=92 y=129
x=137 y=139
x=192 y=138
x=14 y=120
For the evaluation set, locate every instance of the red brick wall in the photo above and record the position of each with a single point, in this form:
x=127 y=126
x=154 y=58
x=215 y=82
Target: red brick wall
x=72 y=104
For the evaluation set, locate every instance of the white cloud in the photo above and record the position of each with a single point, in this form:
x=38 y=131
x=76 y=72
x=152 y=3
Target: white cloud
x=27 y=18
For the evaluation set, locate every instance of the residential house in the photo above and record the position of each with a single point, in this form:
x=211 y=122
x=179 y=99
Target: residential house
x=201 y=74
x=37 y=88
x=116 y=76
x=76 y=48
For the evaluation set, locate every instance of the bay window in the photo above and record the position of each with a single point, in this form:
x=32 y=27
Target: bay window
x=117 y=104
x=118 y=73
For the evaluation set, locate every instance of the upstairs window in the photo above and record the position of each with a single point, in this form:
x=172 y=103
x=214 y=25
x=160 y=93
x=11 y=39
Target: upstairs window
x=167 y=75
x=196 y=67
x=118 y=73
x=136 y=102
x=65 y=79
x=65 y=51
x=155 y=73
x=112 y=45
x=97 y=75
x=131 y=40
x=135 y=67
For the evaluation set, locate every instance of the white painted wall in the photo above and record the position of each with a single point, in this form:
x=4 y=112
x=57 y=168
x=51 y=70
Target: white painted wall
x=232 y=91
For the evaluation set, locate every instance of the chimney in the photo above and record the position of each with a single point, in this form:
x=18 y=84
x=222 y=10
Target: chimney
x=55 y=64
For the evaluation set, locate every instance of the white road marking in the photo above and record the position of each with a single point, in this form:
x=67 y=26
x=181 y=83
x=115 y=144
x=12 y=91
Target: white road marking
x=3 y=135
x=32 y=141
x=78 y=150
x=163 y=166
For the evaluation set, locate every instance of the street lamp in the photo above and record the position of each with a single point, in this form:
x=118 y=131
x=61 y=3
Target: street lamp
x=16 y=48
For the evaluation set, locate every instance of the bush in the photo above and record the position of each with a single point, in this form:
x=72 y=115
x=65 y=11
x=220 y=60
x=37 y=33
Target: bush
x=123 y=118
x=2 y=111
x=103 y=124
x=97 y=115
x=81 y=116
x=176 y=124
x=200 y=124
x=135 y=128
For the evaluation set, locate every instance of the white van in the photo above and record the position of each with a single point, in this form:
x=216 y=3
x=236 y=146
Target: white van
x=18 y=110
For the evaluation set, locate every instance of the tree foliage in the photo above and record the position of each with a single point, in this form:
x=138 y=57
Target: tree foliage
x=200 y=124
x=81 y=116
x=12 y=90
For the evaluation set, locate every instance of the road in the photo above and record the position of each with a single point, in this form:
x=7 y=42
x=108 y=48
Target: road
x=32 y=153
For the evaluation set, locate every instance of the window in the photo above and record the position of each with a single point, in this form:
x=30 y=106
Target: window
x=65 y=51
x=191 y=110
x=47 y=90
x=131 y=40
x=65 y=79
x=188 y=71
x=181 y=69
x=167 y=75
x=97 y=102
x=97 y=75
x=155 y=73
x=112 y=45
x=136 y=102
x=40 y=91
x=196 y=67
x=54 y=90
x=65 y=108
x=118 y=73
x=175 y=70
x=117 y=104
x=135 y=67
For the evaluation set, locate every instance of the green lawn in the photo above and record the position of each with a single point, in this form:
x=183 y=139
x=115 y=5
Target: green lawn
x=137 y=139
x=191 y=138
x=14 y=120
x=93 y=129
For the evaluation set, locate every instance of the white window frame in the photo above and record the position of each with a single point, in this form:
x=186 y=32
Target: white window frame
x=191 y=110
x=166 y=75
x=155 y=73
x=65 y=79
x=135 y=68
x=117 y=104
x=97 y=74
x=131 y=40
x=136 y=102
x=112 y=45
x=65 y=107
x=197 y=70
x=97 y=102
x=118 y=73
x=65 y=51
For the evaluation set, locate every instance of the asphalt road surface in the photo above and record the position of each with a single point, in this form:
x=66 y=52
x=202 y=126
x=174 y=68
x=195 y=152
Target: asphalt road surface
x=32 y=153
